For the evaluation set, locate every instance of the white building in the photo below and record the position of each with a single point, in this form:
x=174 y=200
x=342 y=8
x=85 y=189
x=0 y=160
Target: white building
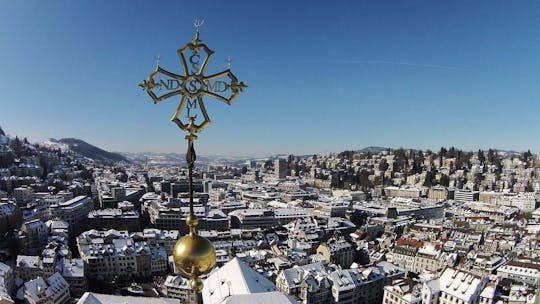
x=164 y=238
x=327 y=283
x=402 y=291
x=53 y=291
x=453 y=286
x=32 y=237
x=525 y=202
x=236 y=282
x=465 y=196
x=74 y=211
x=72 y=271
x=522 y=295
x=7 y=279
x=177 y=287
x=109 y=254
x=522 y=271
x=338 y=251
x=23 y=195
x=96 y=298
x=264 y=218
x=28 y=267
x=336 y=208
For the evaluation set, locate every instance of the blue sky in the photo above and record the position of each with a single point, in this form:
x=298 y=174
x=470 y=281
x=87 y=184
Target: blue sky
x=323 y=76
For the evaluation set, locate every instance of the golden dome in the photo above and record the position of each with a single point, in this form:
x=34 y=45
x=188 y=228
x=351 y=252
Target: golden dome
x=194 y=256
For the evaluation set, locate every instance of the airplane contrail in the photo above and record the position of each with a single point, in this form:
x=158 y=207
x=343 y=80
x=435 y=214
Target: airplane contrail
x=354 y=61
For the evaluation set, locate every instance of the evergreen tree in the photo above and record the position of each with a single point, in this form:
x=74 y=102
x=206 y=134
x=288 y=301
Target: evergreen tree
x=492 y=155
x=383 y=165
x=527 y=156
x=417 y=167
x=362 y=179
x=16 y=145
x=481 y=156
x=428 y=181
x=445 y=180
x=442 y=152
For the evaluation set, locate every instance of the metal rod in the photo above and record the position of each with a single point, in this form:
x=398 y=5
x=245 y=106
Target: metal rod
x=190 y=188
x=190 y=159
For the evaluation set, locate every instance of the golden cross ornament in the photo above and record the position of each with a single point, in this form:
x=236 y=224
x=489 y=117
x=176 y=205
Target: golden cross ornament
x=193 y=255
x=192 y=85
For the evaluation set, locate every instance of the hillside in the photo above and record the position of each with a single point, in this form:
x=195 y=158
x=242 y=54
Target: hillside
x=90 y=151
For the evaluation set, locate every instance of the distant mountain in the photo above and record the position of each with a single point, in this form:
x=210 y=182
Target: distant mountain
x=372 y=149
x=154 y=157
x=508 y=153
x=87 y=150
x=177 y=158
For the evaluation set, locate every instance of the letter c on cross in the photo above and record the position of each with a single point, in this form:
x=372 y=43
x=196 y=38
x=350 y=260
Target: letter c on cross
x=195 y=63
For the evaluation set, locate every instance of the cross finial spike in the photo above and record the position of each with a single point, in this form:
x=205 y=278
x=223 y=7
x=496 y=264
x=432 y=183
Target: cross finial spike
x=158 y=57
x=198 y=23
x=229 y=61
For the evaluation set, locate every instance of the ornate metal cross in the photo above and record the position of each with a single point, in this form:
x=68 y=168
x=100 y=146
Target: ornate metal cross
x=193 y=255
x=192 y=85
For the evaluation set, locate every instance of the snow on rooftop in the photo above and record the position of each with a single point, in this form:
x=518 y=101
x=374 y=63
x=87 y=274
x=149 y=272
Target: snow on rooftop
x=234 y=278
x=96 y=298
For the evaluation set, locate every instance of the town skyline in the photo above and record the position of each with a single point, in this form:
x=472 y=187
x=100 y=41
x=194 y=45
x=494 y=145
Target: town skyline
x=321 y=78
x=375 y=149
x=399 y=226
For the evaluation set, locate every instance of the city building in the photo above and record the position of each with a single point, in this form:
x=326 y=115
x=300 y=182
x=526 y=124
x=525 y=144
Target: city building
x=454 y=286
x=74 y=212
x=465 y=196
x=7 y=280
x=523 y=271
x=177 y=287
x=96 y=298
x=55 y=290
x=28 y=267
x=335 y=208
x=236 y=282
x=72 y=270
x=520 y=294
x=32 y=237
x=110 y=218
x=115 y=254
x=264 y=218
x=8 y=216
x=407 y=192
x=438 y=193
x=329 y=283
x=23 y=195
x=525 y=202
x=118 y=193
x=338 y=251
x=168 y=218
x=280 y=168
x=403 y=291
